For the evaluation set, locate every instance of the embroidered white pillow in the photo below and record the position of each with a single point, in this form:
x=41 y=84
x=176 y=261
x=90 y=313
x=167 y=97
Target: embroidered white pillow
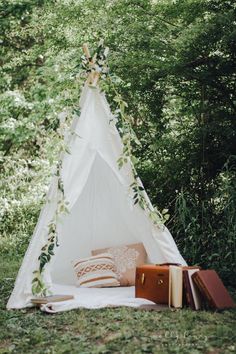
x=126 y=258
x=96 y=272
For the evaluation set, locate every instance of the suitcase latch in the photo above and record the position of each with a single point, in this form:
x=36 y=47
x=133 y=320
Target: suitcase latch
x=143 y=278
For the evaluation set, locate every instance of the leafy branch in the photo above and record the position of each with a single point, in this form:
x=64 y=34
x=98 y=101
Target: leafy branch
x=39 y=287
x=129 y=138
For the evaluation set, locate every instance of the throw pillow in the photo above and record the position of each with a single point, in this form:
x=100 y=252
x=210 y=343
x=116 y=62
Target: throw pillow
x=127 y=258
x=96 y=272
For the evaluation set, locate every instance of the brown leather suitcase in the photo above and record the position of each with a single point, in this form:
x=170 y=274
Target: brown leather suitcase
x=152 y=283
x=212 y=289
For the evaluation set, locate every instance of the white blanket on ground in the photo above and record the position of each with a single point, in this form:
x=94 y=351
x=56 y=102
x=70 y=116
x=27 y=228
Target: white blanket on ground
x=93 y=298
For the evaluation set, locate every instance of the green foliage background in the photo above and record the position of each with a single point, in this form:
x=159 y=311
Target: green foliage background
x=176 y=64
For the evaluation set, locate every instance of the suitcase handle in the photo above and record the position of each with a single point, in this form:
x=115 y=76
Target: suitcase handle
x=167 y=264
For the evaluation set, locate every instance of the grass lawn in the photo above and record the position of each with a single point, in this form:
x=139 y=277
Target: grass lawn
x=121 y=330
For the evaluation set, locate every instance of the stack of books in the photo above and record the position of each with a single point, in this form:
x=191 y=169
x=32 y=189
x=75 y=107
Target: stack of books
x=197 y=289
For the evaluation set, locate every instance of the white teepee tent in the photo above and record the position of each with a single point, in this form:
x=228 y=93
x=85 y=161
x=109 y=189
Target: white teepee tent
x=101 y=213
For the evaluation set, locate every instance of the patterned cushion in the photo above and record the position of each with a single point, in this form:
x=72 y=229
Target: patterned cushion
x=96 y=272
x=126 y=258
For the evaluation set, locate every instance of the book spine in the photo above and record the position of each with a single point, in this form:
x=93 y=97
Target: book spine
x=187 y=288
x=201 y=286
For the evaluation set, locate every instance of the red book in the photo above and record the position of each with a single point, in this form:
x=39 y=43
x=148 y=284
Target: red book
x=193 y=296
x=212 y=289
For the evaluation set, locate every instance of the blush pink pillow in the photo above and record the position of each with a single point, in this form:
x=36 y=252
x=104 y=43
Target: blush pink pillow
x=126 y=259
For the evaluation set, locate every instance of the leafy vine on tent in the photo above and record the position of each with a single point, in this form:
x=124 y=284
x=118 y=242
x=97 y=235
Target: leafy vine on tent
x=128 y=137
x=96 y=67
x=47 y=251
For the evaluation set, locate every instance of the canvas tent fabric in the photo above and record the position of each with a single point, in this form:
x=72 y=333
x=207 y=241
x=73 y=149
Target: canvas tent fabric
x=102 y=213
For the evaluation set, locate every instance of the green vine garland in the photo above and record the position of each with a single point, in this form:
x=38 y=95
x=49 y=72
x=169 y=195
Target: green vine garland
x=39 y=287
x=129 y=138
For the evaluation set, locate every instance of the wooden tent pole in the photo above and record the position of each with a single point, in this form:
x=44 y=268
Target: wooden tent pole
x=93 y=77
x=86 y=51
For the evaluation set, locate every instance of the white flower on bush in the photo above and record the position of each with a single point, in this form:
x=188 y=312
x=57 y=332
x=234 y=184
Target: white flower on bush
x=62 y=116
x=4 y=206
x=9 y=124
x=4 y=203
x=19 y=99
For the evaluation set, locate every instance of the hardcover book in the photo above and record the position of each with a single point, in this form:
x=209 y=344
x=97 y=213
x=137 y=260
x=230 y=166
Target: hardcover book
x=213 y=290
x=193 y=295
x=176 y=286
x=40 y=300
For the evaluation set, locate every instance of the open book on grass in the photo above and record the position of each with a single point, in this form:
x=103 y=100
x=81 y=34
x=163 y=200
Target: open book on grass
x=40 y=300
